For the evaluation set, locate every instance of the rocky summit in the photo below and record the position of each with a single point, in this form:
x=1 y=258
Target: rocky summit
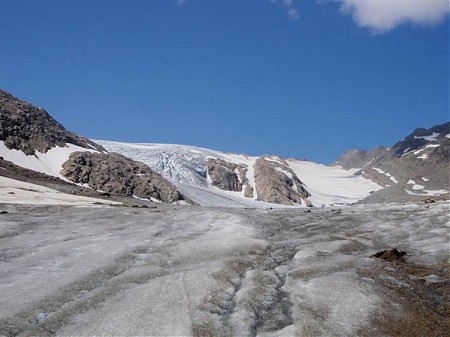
x=417 y=165
x=28 y=128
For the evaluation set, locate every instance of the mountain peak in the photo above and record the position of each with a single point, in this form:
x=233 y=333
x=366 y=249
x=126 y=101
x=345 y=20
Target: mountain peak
x=27 y=128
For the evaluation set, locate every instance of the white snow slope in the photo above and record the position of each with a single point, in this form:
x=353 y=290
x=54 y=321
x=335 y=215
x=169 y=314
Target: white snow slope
x=49 y=163
x=185 y=166
x=18 y=192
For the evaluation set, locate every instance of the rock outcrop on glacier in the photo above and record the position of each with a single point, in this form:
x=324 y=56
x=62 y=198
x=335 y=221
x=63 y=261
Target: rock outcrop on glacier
x=226 y=175
x=229 y=176
x=116 y=174
x=277 y=183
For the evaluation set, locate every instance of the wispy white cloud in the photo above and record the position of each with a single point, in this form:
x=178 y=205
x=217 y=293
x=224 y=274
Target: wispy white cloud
x=292 y=11
x=383 y=15
x=379 y=16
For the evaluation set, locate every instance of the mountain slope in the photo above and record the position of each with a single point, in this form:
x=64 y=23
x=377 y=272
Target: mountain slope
x=418 y=165
x=286 y=181
x=31 y=139
x=29 y=129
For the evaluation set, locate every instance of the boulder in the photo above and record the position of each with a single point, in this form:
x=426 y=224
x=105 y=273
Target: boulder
x=118 y=175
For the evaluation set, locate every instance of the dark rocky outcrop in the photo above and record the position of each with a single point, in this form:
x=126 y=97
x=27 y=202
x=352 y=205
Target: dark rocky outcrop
x=224 y=174
x=229 y=176
x=391 y=255
x=421 y=158
x=28 y=128
x=115 y=174
x=418 y=138
x=277 y=183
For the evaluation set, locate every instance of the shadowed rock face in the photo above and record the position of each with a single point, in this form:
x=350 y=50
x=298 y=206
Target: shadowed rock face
x=229 y=176
x=28 y=128
x=119 y=175
x=223 y=174
x=277 y=183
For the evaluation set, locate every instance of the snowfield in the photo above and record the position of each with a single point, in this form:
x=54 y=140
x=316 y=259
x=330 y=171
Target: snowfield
x=189 y=271
x=185 y=166
x=330 y=185
x=18 y=192
x=49 y=163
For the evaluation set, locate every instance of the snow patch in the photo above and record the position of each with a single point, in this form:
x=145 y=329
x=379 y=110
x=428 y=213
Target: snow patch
x=49 y=163
x=286 y=173
x=430 y=138
x=139 y=198
x=370 y=162
x=378 y=170
x=394 y=180
x=387 y=174
x=18 y=192
x=275 y=160
x=427 y=192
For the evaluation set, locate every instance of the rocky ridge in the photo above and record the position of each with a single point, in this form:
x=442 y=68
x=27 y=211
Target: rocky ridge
x=28 y=128
x=416 y=164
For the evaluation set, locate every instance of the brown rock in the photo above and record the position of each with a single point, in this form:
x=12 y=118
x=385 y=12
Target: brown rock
x=115 y=174
x=392 y=255
x=277 y=183
x=28 y=128
x=224 y=175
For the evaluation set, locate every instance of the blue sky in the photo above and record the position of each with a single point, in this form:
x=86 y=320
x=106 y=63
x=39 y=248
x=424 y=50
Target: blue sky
x=306 y=79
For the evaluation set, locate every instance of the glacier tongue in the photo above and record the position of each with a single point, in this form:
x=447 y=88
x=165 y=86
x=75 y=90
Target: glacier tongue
x=186 y=167
x=179 y=164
